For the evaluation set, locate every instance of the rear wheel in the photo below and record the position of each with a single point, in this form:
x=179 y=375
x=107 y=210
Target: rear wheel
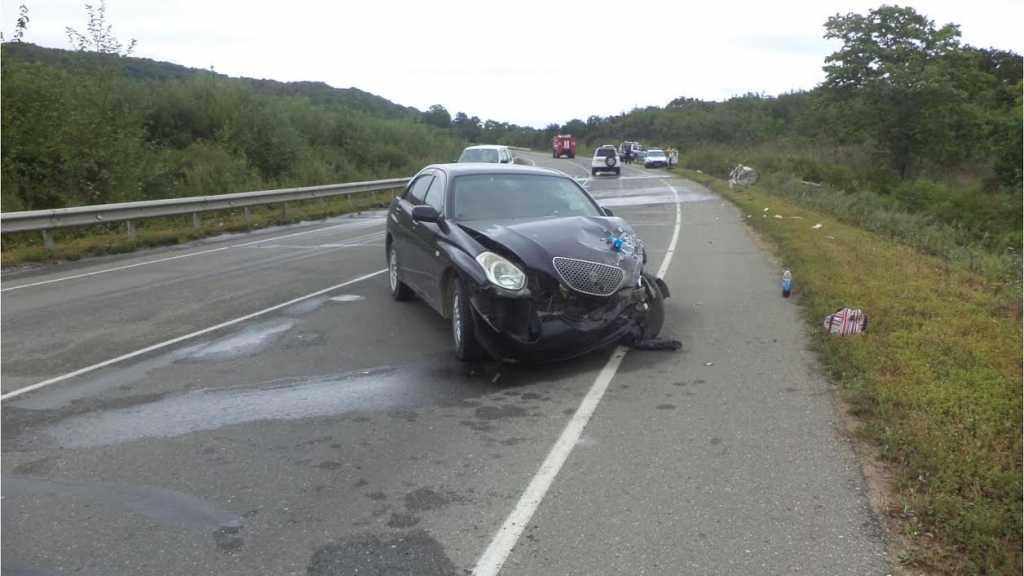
x=593 y=171
x=463 y=327
x=399 y=291
x=618 y=171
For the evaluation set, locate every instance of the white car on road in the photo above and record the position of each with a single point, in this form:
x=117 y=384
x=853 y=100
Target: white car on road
x=606 y=159
x=655 y=158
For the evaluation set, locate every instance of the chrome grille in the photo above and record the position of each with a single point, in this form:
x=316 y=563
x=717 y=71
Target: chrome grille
x=589 y=277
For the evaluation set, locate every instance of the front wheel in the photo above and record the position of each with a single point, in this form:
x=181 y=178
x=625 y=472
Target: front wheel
x=467 y=347
x=655 y=308
x=399 y=291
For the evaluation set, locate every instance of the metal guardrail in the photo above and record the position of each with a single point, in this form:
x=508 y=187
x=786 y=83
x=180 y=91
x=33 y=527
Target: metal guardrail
x=49 y=220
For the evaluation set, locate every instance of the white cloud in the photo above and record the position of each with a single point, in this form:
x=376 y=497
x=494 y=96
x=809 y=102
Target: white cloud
x=529 y=62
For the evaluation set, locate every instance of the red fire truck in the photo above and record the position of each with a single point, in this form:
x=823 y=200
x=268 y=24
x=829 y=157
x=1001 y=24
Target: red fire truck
x=563 y=145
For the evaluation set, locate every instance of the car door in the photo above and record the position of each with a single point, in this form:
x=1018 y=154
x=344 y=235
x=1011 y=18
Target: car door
x=428 y=237
x=406 y=244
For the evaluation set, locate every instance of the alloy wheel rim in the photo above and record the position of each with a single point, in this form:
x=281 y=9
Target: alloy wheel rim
x=457 y=317
x=393 y=270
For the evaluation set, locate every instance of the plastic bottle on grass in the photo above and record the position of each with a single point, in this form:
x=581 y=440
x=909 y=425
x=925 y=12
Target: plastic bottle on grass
x=787 y=283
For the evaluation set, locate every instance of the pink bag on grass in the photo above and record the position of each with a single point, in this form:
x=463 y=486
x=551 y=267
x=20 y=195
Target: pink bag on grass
x=846 y=321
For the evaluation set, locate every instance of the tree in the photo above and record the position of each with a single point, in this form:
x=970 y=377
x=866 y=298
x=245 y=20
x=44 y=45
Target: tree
x=438 y=116
x=908 y=83
x=19 y=26
x=100 y=38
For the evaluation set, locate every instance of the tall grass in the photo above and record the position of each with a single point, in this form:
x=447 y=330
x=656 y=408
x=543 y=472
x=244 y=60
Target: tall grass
x=936 y=380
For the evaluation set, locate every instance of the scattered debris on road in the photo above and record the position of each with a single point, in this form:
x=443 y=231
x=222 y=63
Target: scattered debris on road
x=816 y=226
x=657 y=344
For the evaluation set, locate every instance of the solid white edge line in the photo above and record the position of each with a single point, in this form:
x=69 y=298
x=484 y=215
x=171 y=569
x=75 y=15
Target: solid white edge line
x=493 y=558
x=675 y=234
x=157 y=261
x=172 y=341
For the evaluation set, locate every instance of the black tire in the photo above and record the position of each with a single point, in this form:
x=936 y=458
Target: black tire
x=399 y=291
x=571 y=156
x=554 y=154
x=467 y=347
x=609 y=161
x=593 y=171
x=656 y=308
x=618 y=171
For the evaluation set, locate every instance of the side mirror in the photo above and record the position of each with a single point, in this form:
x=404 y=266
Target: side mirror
x=425 y=214
x=607 y=211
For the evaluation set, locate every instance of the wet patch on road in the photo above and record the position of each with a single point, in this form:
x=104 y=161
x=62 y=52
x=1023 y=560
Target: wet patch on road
x=413 y=553
x=372 y=390
x=248 y=342
x=157 y=504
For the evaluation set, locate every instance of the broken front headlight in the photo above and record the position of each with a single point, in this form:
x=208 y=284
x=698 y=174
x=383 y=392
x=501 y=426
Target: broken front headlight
x=501 y=272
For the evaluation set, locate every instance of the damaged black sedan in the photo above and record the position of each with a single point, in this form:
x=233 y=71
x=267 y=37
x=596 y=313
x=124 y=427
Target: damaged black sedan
x=523 y=261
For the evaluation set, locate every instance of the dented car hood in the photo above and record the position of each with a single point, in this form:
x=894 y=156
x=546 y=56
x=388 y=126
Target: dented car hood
x=536 y=242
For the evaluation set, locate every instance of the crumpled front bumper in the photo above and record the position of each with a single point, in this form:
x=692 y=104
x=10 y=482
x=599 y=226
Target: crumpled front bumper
x=535 y=336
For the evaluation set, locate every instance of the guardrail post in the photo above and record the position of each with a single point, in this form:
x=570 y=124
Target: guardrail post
x=246 y=214
x=131 y=229
x=349 y=196
x=323 y=204
x=48 y=239
x=196 y=220
x=287 y=209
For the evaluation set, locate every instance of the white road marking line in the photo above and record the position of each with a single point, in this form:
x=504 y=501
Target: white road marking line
x=111 y=269
x=493 y=558
x=172 y=341
x=675 y=234
x=157 y=261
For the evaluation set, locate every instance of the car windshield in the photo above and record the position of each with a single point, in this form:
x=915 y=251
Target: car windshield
x=656 y=154
x=605 y=152
x=518 y=196
x=479 y=155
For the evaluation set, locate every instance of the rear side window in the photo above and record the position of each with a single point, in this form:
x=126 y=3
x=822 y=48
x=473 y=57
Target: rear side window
x=418 y=190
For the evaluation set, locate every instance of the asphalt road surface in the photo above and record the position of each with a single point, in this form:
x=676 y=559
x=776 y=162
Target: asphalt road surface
x=257 y=404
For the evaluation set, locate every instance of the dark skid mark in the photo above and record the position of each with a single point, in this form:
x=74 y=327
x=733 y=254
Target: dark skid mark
x=377 y=496
x=478 y=426
x=499 y=412
x=156 y=503
x=665 y=407
x=413 y=553
x=512 y=441
x=429 y=499
x=227 y=540
x=402 y=521
x=716 y=441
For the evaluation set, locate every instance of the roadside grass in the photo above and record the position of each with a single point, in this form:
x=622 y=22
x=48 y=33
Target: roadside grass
x=76 y=243
x=935 y=382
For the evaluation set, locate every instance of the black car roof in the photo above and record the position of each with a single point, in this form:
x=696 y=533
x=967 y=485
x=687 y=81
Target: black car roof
x=487 y=168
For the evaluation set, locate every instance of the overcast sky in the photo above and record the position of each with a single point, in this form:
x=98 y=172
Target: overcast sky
x=527 y=62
